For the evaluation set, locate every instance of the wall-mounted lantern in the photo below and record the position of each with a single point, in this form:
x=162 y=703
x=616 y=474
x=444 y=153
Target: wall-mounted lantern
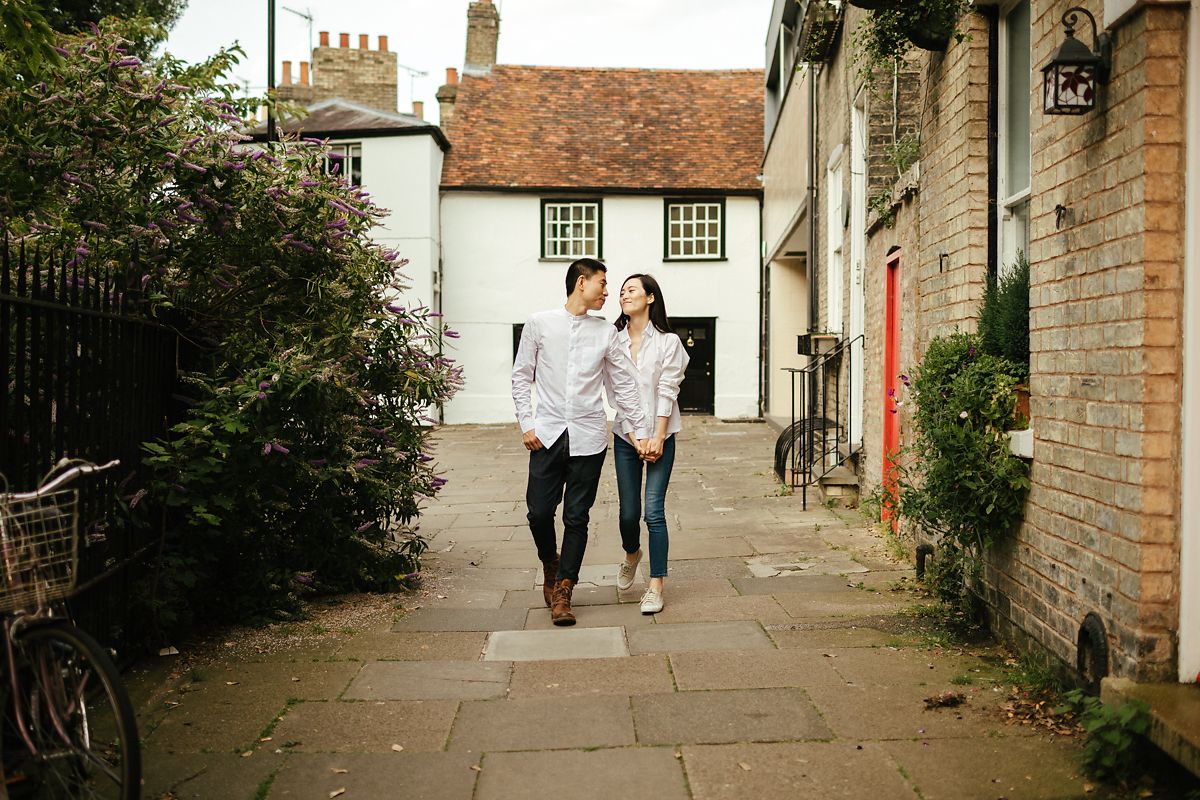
x=1069 y=81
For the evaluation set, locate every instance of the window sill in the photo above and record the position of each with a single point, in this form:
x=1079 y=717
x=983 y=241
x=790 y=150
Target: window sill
x=563 y=259
x=692 y=260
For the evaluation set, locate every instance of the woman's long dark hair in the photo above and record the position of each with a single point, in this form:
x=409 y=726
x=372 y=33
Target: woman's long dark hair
x=658 y=309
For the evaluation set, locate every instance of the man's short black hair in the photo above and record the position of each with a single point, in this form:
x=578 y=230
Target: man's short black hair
x=585 y=268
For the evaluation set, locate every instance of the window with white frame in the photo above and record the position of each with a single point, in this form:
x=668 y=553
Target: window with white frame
x=833 y=239
x=695 y=230
x=1013 y=181
x=570 y=229
x=345 y=159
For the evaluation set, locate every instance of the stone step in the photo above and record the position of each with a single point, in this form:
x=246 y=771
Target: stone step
x=1174 y=715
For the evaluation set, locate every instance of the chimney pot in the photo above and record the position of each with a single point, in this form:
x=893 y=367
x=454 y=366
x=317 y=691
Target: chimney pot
x=304 y=73
x=418 y=109
x=362 y=42
x=452 y=76
x=383 y=44
x=343 y=40
x=324 y=38
x=287 y=73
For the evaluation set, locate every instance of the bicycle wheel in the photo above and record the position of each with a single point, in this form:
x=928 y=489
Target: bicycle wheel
x=78 y=716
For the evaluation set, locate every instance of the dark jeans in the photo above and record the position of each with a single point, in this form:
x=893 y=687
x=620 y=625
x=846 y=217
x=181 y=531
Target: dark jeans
x=629 y=487
x=555 y=475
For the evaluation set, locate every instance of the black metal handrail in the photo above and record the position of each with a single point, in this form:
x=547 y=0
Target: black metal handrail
x=810 y=447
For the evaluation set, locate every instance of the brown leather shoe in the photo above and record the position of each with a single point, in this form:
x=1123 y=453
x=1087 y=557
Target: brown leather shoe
x=560 y=611
x=549 y=573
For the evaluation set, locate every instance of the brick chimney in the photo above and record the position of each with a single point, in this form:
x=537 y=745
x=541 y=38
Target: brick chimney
x=483 y=32
x=446 y=95
x=418 y=109
x=359 y=74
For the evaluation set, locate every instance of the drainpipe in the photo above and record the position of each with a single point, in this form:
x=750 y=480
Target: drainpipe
x=813 y=285
x=764 y=315
x=1189 y=549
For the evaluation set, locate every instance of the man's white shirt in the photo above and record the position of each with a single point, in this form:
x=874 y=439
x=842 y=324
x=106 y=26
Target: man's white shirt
x=572 y=359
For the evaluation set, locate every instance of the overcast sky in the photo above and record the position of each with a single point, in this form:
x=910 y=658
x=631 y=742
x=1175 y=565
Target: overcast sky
x=430 y=35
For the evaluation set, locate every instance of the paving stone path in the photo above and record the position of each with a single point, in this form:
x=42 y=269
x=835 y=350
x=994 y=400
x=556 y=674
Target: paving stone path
x=775 y=670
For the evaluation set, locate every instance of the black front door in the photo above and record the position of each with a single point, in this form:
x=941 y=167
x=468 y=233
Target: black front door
x=699 y=339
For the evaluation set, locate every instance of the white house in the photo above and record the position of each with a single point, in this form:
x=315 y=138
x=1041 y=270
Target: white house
x=651 y=171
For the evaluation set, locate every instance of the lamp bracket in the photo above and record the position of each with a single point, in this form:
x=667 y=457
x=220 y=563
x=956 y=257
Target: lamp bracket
x=1101 y=40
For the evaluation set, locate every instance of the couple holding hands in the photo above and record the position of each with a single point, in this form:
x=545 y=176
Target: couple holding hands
x=574 y=358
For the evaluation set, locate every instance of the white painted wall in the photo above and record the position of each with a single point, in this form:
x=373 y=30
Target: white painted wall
x=402 y=174
x=493 y=278
x=1189 y=531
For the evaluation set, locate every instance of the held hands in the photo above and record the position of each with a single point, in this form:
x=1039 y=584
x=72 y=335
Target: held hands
x=650 y=450
x=531 y=440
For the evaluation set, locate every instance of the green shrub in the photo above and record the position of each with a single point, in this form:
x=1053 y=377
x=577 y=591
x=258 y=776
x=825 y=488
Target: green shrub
x=303 y=457
x=1113 y=741
x=1004 y=315
x=959 y=480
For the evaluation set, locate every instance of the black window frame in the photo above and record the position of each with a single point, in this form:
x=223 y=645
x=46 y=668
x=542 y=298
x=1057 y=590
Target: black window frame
x=347 y=160
x=692 y=201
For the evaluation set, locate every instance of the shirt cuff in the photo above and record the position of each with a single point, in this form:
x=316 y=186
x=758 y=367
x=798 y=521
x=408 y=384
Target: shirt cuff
x=666 y=407
x=526 y=426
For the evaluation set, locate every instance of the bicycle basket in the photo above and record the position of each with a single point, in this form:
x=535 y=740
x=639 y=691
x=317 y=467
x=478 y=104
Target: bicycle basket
x=38 y=549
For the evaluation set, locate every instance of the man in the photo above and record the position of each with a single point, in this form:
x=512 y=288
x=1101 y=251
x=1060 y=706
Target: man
x=569 y=354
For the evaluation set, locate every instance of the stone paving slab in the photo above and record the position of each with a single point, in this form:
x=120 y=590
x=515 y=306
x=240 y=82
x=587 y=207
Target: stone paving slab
x=622 y=676
x=898 y=712
x=754 y=669
x=810 y=563
x=684 y=549
x=821 y=638
x=744 y=635
x=416 y=646
x=413 y=776
x=625 y=615
x=222 y=724
x=790 y=583
x=707 y=569
x=580 y=596
x=486 y=599
x=761 y=715
x=543 y=723
x=721 y=609
x=821 y=605
x=483 y=536
x=462 y=619
x=1025 y=768
x=556 y=643
x=637 y=772
x=429 y=680
x=467 y=576
x=203 y=776
x=787 y=771
x=338 y=726
x=890 y=666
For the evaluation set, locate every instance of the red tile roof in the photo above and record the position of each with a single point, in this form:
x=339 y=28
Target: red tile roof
x=570 y=128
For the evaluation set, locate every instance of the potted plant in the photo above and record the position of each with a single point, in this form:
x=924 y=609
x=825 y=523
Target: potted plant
x=1004 y=325
x=932 y=24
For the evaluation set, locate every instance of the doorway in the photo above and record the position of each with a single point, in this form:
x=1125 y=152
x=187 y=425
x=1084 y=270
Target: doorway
x=698 y=334
x=891 y=387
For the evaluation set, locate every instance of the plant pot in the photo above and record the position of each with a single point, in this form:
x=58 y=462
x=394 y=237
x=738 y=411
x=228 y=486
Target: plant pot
x=1022 y=410
x=872 y=5
x=930 y=30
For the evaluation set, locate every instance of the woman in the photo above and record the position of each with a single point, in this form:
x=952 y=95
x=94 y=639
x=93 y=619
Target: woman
x=661 y=361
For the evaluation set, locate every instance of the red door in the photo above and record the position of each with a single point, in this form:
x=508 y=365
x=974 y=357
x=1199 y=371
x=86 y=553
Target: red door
x=891 y=386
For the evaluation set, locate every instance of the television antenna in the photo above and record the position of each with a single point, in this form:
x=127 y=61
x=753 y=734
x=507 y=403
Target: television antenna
x=413 y=74
x=307 y=15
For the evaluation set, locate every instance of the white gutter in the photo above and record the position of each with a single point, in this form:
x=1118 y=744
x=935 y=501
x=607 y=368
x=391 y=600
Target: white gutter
x=1189 y=521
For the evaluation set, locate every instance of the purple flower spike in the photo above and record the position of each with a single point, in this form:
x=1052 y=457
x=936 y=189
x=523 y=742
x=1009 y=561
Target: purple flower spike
x=318 y=462
x=264 y=384
x=366 y=526
x=970 y=351
x=363 y=463
x=451 y=334
x=892 y=410
x=266 y=451
x=262 y=395
x=395 y=309
x=905 y=379
x=278 y=448
x=891 y=392
x=437 y=482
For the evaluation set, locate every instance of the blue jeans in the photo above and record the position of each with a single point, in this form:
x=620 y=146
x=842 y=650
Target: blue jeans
x=629 y=488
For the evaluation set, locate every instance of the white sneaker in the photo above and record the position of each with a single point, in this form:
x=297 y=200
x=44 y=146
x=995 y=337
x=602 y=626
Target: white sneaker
x=652 y=602
x=628 y=571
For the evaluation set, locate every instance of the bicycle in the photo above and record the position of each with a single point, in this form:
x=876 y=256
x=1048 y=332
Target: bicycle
x=69 y=727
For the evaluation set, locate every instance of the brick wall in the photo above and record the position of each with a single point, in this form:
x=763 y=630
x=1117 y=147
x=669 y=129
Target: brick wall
x=1101 y=530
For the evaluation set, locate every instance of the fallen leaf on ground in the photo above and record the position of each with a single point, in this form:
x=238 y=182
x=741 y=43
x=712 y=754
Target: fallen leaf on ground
x=477 y=768
x=337 y=792
x=398 y=748
x=339 y=770
x=744 y=765
x=947 y=699
x=232 y=683
x=247 y=754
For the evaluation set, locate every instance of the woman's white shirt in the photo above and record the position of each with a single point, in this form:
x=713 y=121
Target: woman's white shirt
x=661 y=363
